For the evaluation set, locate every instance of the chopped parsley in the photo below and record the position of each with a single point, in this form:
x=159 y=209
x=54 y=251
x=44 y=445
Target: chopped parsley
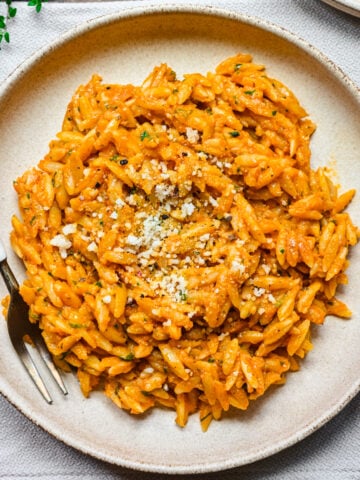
x=128 y=358
x=144 y=134
x=202 y=419
x=183 y=296
x=234 y=133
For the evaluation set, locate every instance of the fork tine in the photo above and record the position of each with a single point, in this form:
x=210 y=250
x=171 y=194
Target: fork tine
x=30 y=367
x=50 y=364
x=18 y=311
x=36 y=341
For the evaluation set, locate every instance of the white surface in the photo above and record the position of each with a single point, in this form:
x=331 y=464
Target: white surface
x=2 y=252
x=341 y=438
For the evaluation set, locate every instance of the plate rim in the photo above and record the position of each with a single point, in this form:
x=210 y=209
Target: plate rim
x=231 y=15
x=347 y=6
x=151 y=9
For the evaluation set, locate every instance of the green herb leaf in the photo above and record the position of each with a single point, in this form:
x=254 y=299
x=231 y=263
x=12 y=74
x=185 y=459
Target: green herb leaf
x=249 y=92
x=37 y=4
x=12 y=12
x=128 y=358
x=183 y=296
x=235 y=133
x=144 y=135
x=202 y=419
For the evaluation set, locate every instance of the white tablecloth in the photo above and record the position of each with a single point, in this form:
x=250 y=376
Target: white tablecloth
x=331 y=453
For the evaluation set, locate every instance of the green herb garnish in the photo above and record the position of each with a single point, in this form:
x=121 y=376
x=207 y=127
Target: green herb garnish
x=37 y=4
x=128 y=358
x=234 y=133
x=10 y=14
x=183 y=296
x=144 y=134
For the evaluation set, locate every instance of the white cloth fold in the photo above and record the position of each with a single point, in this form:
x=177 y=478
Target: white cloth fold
x=331 y=453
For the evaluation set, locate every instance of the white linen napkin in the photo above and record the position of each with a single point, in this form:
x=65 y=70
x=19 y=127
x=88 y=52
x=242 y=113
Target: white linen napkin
x=331 y=453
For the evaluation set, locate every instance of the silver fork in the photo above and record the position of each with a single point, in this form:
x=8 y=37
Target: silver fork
x=19 y=326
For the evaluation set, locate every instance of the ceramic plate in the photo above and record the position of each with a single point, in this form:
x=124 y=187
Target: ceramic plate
x=124 y=48
x=349 y=6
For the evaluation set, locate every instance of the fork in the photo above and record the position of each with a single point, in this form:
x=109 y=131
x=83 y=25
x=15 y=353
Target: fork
x=23 y=333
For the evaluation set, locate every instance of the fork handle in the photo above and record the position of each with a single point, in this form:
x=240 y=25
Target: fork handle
x=6 y=272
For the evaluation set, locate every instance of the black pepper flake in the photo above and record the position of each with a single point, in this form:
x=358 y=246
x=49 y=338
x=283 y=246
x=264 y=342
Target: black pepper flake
x=123 y=161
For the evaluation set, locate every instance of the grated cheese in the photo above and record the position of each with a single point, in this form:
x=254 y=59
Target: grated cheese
x=192 y=135
x=69 y=228
x=187 y=209
x=60 y=241
x=237 y=266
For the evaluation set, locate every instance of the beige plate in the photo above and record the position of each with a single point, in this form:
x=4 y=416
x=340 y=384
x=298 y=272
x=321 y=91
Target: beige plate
x=124 y=48
x=349 y=6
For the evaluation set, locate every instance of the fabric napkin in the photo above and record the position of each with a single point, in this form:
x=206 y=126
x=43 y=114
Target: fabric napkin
x=332 y=452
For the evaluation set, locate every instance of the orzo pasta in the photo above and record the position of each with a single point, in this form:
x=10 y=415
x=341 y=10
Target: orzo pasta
x=177 y=242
